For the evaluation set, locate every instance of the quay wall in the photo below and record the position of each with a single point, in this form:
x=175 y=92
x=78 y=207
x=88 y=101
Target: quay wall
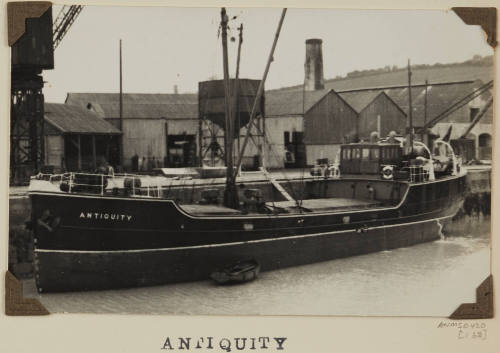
x=478 y=195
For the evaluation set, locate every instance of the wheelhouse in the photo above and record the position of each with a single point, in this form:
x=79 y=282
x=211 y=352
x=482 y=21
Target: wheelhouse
x=368 y=158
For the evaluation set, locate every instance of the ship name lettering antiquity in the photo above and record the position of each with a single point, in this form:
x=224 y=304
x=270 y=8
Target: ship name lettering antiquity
x=106 y=216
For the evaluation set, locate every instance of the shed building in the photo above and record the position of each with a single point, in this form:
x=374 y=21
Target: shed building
x=377 y=112
x=285 y=126
x=300 y=126
x=310 y=124
x=430 y=100
x=327 y=124
x=77 y=139
x=158 y=129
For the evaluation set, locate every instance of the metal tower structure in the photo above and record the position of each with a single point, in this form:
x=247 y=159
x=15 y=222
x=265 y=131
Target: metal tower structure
x=63 y=22
x=32 y=53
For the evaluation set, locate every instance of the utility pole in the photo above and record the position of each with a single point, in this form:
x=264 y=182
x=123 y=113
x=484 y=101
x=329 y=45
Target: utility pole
x=425 y=102
x=121 y=105
x=425 y=136
x=410 y=115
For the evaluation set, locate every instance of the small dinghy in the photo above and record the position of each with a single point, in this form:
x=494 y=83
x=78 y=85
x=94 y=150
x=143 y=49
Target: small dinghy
x=240 y=272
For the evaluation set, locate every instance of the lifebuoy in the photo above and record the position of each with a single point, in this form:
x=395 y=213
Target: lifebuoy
x=388 y=172
x=333 y=171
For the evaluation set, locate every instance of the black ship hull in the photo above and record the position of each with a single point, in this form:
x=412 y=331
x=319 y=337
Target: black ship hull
x=86 y=242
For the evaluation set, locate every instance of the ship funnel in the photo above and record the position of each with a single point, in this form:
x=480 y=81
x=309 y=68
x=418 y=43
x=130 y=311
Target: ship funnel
x=314 y=65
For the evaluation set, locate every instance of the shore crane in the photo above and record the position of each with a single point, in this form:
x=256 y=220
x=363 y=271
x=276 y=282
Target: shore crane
x=33 y=53
x=63 y=22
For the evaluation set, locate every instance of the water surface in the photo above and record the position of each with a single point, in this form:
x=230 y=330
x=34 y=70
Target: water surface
x=429 y=279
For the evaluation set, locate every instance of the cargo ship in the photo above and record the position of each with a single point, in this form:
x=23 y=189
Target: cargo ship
x=104 y=230
x=97 y=235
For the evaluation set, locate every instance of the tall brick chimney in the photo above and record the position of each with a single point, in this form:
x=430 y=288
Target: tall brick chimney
x=314 y=65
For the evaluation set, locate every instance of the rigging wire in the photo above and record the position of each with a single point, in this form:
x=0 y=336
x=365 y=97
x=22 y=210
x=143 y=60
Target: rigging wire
x=269 y=148
x=273 y=153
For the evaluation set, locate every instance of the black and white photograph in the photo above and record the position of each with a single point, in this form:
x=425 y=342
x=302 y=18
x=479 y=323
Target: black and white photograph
x=250 y=161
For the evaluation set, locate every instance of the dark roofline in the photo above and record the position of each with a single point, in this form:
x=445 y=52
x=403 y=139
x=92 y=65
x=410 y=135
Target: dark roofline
x=390 y=99
x=373 y=100
x=406 y=86
x=56 y=126
x=283 y=115
x=126 y=93
x=319 y=100
x=129 y=93
x=64 y=132
x=397 y=105
x=148 y=118
x=147 y=103
x=326 y=94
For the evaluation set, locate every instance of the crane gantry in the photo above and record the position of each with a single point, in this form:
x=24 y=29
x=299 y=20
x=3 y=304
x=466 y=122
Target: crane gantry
x=63 y=22
x=33 y=53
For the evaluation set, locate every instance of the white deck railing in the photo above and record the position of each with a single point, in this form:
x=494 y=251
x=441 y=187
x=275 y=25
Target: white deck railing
x=102 y=183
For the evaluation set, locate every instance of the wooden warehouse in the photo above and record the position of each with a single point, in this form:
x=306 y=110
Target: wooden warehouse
x=327 y=124
x=428 y=101
x=300 y=126
x=158 y=129
x=77 y=139
x=285 y=126
x=376 y=112
x=311 y=125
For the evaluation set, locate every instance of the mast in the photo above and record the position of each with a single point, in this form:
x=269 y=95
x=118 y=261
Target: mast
x=260 y=90
x=410 y=115
x=425 y=136
x=425 y=102
x=230 y=194
x=236 y=82
x=121 y=105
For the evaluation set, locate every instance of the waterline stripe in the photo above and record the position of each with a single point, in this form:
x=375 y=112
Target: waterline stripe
x=231 y=244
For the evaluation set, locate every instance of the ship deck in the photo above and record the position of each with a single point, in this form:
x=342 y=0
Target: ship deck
x=209 y=210
x=327 y=204
x=312 y=205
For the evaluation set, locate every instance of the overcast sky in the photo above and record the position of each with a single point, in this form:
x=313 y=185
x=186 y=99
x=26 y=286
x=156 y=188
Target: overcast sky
x=163 y=47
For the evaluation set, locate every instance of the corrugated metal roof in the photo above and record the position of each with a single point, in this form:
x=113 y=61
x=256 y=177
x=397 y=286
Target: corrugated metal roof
x=155 y=98
x=139 y=105
x=147 y=110
x=283 y=103
x=183 y=106
x=74 y=119
x=440 y=96
x=359 y=100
